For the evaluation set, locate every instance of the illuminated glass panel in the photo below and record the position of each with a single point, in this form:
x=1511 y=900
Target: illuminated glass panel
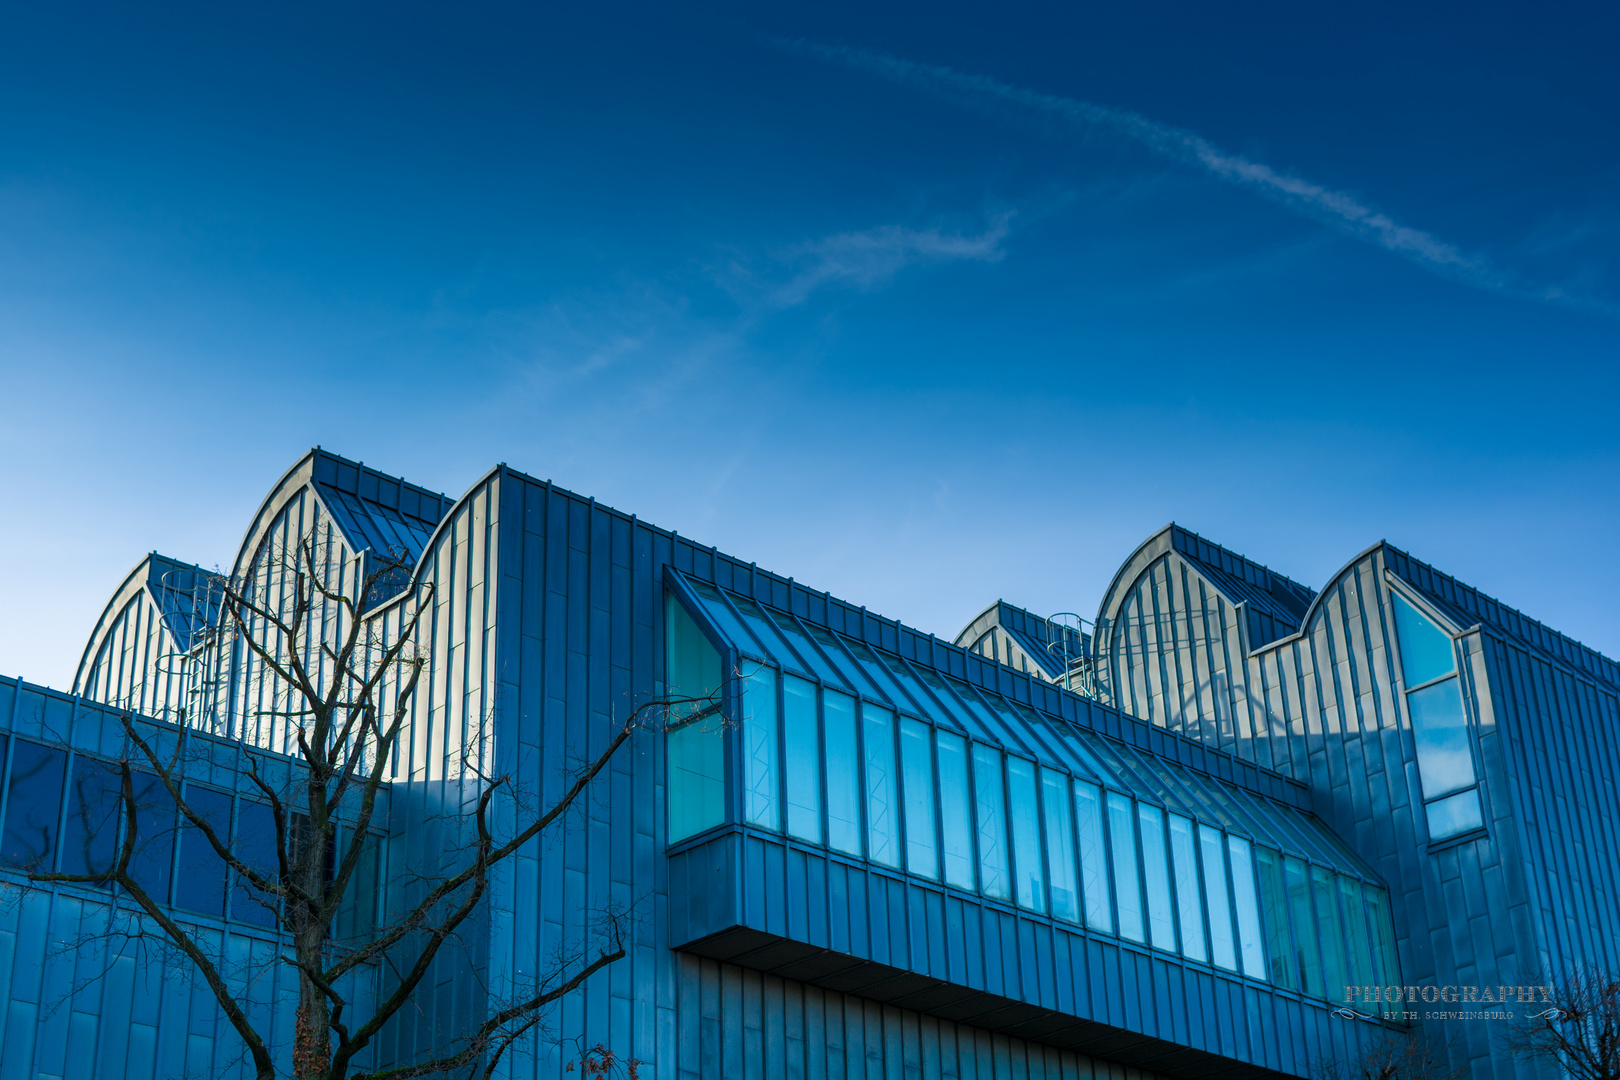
x=955 y=809
x=1127 y=889
x=1156 y=876
x=801 y=747
x=1060 y=863
x=991 y=802
x=843 y=773
x=917 y=761
x=1088 y=814
x=1217 y=903
x=1026 y=833
x=1184 y=854
x=760 y=804
x=882 y=798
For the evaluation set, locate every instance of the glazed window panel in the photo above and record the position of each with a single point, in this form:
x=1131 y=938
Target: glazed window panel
x=1217 y=902
x=695 y=746
x=843 y=773
x=1274 y=915
x=1307 y=955
x=1426 y=650
x=1058 y=808
x=200 y=884
x=1026 y=831
x=1088 y=813
x=759 y=730
x=1354 y=911
x=95 y=809
x=882 y=796
x=801 y=742
x=1247 y=904
x=991 y=806
x=955 y=809
x=152 y=861
x=1440 y=730
x=1156 y=876
x=35 y=800
x=1329 y=930
x=1127 y=889
x=917 y=763
x=1184 y=854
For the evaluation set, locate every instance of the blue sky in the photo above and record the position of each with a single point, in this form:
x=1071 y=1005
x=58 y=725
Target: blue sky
x=922 y=305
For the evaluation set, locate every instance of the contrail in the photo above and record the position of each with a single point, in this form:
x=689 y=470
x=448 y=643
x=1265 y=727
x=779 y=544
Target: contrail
x=1338 y=210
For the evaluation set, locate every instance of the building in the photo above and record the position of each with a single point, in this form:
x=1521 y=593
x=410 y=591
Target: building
x=1164 y=843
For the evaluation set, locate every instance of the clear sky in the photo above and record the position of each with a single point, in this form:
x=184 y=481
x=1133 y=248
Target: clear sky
x=923 y=305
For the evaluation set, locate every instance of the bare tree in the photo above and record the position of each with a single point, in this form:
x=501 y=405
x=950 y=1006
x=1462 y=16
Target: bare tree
x=342 y=665
x=1577 y=1027
x=1392 y=1056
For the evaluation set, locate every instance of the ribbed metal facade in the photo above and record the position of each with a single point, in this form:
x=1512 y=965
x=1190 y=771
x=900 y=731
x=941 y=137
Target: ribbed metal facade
x=753 y=955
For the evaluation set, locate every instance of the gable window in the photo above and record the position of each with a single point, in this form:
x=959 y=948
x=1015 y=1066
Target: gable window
x=1434 y=704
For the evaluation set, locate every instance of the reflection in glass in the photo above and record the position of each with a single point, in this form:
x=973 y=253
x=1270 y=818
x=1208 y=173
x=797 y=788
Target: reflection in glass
x=37 y=773
x=256 y=847
x=1454 y=816
x=1093 y=860
x=1306 y=949
x=1184 y=853
x=1274 y=915
x=1156 y=875
x=760 y=804
x=1356 y=943
x=992 y=820
x=1383 y=941
x=95 y=807
x=955 y=809
x=1060 y=845
x=200 y=884
x=1217 y=905
x=1127 y=889
x=917 y=761
x=882 y=813
x=1426 y=651
x=1441 y=733
x=843 y=773
x=151 y=862
x=695 y=744
x=1329 y=931
x=1248 y=908
x=1026 y=831
x=801 y=748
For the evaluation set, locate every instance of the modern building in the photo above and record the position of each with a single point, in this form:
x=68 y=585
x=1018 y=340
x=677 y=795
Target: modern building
x=1166 y=841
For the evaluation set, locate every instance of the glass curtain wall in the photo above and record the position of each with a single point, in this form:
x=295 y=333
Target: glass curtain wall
x=856 y=751
x=1434 y=705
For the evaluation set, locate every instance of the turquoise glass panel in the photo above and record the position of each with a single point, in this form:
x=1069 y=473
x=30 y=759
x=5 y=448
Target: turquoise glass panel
x=882 y=789
x=695 y=745
x=917 y=765
x=1356 y=942
x=1274 y=918
x=1184 y=856
x=1026 y=834
x=760 y=803
x=1161 y=917
x=767 y=635
x=1454 y=816
x=1307 y=954
x=1425 y=649
x=1244 y=899
x=1440 y=730
x=955 y=809
x=809 y=653
x=801 y=748
x=843 y=773
x=1217 y=901
x=1382 y=930
x=721 y=615
x=1088 y=821
x=1127 y=887
x=1060 y=859
x=1329 y=931
x=991 y=812
x=853 y=675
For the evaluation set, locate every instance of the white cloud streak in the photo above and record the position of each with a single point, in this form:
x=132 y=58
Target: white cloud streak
x=1338 y=210
x=873 y=256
